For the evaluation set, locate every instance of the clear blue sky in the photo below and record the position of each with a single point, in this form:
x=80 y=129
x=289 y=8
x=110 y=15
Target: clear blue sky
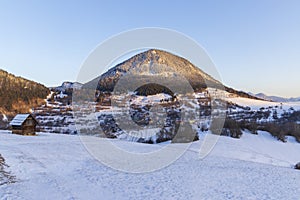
x=254 y=44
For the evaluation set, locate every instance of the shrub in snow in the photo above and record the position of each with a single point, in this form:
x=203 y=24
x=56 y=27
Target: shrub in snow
x=231 y=128
x=203 y=127
x=185 y=134
x=297 y=166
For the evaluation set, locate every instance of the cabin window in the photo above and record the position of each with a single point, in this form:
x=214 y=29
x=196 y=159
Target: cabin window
x=29 y=122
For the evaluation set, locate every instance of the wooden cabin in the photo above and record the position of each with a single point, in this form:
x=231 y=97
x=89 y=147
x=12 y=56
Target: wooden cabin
x=23 y=124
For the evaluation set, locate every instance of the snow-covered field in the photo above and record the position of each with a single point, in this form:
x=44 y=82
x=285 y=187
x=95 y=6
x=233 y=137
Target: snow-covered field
x=55 y=166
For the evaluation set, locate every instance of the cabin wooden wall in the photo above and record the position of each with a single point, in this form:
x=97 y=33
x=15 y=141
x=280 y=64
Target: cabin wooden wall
x=25 y=129
x=28 y=130
x=17 y=131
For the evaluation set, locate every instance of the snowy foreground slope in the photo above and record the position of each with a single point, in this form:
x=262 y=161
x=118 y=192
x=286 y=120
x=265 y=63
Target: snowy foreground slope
x=52 y=166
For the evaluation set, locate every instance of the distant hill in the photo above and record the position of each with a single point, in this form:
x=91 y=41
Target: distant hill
x=19 y=95
x=275 y=98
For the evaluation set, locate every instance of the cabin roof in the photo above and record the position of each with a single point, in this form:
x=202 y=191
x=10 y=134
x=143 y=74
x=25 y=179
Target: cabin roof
x=19 y=119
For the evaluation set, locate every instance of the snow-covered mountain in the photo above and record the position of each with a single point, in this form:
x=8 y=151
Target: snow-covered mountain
x=67 y=85
x=143 y=67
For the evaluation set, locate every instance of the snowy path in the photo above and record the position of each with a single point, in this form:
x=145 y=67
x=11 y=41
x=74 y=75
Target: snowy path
x=53 y=166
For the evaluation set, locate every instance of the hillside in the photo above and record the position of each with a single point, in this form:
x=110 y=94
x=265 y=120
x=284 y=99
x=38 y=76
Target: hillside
x=19 y=95
x=159 y=62
x=144 y=62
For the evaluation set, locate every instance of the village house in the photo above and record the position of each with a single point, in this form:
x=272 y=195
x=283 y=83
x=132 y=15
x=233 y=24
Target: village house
x=23 y=124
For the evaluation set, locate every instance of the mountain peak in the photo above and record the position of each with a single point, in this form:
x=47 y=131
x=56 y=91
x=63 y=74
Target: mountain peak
x=163 y=62
x=155 y=61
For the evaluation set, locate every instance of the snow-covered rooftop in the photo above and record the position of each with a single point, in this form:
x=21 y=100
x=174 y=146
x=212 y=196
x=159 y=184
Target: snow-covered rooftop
x=19 y=119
